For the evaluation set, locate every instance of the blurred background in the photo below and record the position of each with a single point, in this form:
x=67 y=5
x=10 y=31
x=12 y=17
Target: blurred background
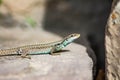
x=86 y=17
x=62 y=17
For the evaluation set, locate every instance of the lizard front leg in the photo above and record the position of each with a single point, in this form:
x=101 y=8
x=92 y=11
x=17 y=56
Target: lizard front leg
x=23 y=53
x=52 y=52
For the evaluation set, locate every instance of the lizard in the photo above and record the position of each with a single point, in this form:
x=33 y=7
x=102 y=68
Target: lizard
x=46 y=48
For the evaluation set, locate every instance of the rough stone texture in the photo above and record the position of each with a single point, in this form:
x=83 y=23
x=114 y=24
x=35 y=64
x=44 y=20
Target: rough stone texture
x=113 y=43
x=72 y=64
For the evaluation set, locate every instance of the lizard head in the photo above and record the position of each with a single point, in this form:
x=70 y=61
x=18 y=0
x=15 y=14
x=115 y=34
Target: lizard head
x=70 y=38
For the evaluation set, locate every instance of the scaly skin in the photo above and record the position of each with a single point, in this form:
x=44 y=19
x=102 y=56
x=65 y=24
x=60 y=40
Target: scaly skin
x=48 y=48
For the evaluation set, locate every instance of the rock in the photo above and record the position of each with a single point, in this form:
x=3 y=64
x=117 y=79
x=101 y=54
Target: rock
x=73 y=63
x=113 y=43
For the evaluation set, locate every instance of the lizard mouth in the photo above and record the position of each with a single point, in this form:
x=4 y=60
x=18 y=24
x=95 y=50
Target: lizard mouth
x=77 y=36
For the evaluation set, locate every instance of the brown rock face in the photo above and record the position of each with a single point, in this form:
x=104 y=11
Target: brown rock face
x=113 y=43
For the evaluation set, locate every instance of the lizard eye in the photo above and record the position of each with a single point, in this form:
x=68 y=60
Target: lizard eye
x=72 y=35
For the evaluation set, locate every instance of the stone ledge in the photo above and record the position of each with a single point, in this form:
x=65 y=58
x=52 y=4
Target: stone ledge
x=73 y=63
x=70 y=65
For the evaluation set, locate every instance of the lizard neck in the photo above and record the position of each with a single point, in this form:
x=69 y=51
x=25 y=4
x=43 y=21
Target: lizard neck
x=67 y=41
x=63 y=44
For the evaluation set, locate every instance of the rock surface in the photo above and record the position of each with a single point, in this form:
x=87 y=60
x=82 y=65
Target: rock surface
x=113 y=43
x=73 y=63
